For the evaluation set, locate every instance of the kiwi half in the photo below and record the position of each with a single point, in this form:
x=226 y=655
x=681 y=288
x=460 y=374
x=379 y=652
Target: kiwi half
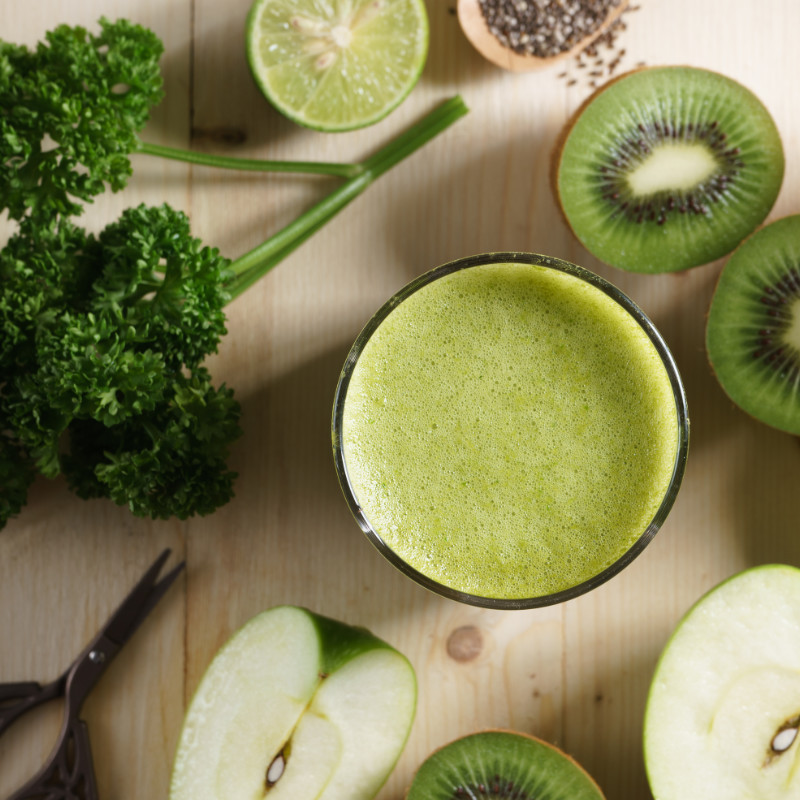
x=753 y=328
x=501 y=764
x=668 y=168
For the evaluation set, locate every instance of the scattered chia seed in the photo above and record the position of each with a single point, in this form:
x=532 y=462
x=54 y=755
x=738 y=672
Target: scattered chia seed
x=544 y=28
x=595 y=55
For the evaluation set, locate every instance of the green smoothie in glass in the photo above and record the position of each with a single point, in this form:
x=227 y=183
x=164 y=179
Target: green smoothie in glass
x=510 y=430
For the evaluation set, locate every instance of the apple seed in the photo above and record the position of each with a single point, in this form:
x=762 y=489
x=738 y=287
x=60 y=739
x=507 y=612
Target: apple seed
x=275 y=769
x=784 y=739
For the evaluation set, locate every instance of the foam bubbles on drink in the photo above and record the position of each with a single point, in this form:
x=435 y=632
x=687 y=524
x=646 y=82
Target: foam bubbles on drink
x=510 y=431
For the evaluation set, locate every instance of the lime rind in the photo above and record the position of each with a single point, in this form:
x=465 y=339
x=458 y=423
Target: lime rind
x=737 y=318
x=337 y=65
x=688 y=95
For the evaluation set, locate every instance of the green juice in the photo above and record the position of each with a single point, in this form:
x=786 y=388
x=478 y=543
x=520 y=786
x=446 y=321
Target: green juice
x=509 y=430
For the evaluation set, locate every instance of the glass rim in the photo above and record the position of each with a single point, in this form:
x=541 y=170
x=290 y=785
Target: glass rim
x=678 y=391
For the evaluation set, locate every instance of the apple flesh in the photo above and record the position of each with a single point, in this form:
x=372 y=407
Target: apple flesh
x=298 y=706
x=724 y=706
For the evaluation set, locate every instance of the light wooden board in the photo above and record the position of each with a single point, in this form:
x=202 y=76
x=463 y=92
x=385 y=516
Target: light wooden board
x=575 y=674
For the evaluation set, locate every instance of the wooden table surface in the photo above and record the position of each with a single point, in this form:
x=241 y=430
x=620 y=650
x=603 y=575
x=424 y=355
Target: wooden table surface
x=576 y=674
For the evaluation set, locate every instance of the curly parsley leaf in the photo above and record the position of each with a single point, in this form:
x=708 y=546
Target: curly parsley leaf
x=163 y=283
x=105 y=335
x=171 y=461
x=70 y=111
x=16 y=475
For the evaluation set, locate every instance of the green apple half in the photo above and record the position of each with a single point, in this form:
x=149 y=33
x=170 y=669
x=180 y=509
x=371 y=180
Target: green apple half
x=724 y=707
x=297 y=706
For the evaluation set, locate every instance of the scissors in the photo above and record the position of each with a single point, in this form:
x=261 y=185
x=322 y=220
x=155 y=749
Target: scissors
x=69 y=771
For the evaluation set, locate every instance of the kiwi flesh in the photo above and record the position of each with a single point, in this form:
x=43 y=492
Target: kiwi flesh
x=753 y=326
x=668 y=168
x=501 y=764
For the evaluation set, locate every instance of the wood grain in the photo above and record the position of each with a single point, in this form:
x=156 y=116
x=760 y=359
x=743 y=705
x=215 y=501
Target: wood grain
x=576 y=674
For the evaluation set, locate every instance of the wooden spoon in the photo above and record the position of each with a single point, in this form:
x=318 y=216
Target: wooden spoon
x=475 y=28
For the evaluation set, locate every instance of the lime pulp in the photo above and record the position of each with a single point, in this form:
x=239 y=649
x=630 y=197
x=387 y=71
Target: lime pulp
x=336 y=65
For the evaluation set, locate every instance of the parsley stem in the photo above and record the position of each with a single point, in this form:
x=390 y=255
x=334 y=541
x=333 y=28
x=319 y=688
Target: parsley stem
x=251 y=164
x=251 y=266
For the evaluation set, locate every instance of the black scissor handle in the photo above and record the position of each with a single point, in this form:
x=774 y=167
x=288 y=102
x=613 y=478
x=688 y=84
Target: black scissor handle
x=17 y=698
x=69 y=773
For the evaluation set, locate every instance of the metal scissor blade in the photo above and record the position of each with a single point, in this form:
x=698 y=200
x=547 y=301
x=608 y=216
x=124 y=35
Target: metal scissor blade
x=140 y=601
x=86 y=670
x=155 y=595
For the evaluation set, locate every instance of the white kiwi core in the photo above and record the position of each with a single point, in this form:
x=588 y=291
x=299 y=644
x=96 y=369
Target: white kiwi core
x=791 y=335
x=673 y=166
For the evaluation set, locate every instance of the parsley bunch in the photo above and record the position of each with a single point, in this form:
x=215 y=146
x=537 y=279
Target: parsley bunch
x=102 y=338
x=71 y=111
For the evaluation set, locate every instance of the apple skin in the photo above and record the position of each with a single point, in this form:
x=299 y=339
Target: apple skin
x=334 y=701
x=726 y=684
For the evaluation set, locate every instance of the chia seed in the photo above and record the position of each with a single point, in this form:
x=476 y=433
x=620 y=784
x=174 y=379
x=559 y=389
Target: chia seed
x=544 y=28
x=596 y=56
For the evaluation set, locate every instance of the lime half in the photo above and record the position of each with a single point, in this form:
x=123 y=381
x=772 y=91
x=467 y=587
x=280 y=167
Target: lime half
x=335 y=65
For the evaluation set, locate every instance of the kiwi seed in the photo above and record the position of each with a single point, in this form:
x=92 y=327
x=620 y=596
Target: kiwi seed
x=753 y=328
x=668 y=168
x=634 y=151
x=501 y=764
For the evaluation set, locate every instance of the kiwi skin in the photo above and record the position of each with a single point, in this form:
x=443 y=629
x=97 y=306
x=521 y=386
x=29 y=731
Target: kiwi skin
x=736 y=323
x=673 y=252
x=436 y=779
